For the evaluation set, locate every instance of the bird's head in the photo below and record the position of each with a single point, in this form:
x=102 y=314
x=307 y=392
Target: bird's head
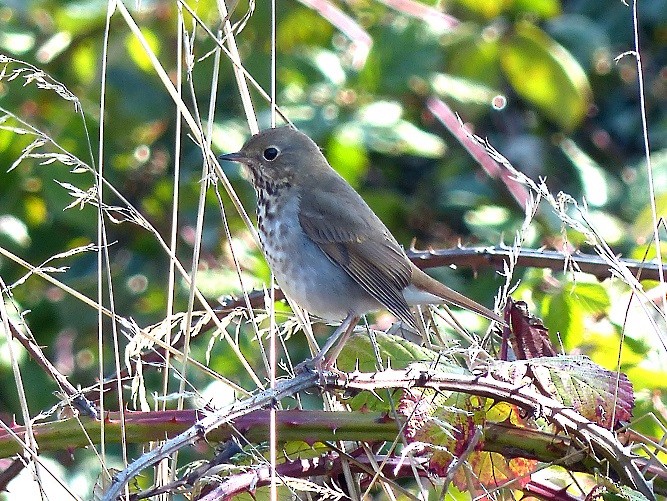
x=280 y=156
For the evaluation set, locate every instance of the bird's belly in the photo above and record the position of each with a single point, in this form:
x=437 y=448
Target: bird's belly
x=308 y=277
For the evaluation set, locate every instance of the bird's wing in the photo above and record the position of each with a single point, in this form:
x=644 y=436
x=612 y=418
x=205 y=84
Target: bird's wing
x=352 y=236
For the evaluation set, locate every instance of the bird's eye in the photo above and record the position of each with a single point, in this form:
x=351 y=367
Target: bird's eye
x=271 y=153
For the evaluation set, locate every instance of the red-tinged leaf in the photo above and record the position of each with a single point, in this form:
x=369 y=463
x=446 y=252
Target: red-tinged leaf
x=491 y=470
x=488 y=470
x=450 y=423
x=603 y=396
x=593 y=391
x=468 y=412
x=529 y=337
x=447 y=422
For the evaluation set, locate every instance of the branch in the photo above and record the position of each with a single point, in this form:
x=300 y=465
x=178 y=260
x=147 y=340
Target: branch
x=584 y=434
x=494 y=256
x=481 y=257
x=141 y=427
x=524 y=395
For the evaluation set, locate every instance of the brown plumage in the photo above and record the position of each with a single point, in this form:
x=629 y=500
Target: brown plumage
x=328 y=250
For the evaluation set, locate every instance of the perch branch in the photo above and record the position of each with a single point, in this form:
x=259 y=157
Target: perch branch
x=523 y=394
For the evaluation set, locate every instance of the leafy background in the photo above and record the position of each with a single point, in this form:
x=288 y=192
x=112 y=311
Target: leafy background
x=539 y=79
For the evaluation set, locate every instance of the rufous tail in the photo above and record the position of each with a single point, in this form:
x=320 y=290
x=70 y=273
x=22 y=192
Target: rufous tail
x=428 y=284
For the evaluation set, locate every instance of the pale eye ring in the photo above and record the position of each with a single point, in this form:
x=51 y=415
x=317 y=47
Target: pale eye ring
x=271 y=153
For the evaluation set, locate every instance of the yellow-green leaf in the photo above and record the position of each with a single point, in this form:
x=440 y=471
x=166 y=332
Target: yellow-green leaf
x=137 y=52
x=546 y=75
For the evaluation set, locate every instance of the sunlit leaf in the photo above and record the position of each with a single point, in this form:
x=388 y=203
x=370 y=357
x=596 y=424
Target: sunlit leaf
x=592 y=296
x=648 y=376
x=462 y=89
x=545 y=74
x=137 y=52
x=564 y=319
x=500 y=412
x=395 y=352
x=591 y=390
x=643 y=224
x=594 y=180
x=487 y=8
x=542 y=8
x=567 y=308
x=473 y=57
x=493 y=470
x=346 y=152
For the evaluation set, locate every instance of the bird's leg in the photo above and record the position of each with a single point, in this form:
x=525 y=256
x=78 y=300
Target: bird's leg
x=336 y=341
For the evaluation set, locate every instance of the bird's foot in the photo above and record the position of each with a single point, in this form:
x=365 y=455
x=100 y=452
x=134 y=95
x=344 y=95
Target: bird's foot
x=315 y=364
x=324 y=368
x=307 y=365
x=319 y=363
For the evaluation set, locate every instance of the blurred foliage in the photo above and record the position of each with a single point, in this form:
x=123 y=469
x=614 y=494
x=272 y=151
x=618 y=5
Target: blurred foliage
x=570 y=113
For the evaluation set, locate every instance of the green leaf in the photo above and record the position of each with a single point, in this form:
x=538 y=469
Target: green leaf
x=592 y=296
x=395 y=352
x=462 y=89
x=565 y=310
x=594 y=180
x=136 y=51
x=577 y=382
x=493 y=8
x=346 y=152
x=380 y=127
x=473 y=57
x=564 y=318
x=648 y=378
x=486 y=8
x=546 y=75
x=643 y=224
x=541 y=8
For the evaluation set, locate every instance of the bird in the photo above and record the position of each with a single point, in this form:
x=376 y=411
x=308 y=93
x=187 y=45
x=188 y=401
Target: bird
x=329 y=252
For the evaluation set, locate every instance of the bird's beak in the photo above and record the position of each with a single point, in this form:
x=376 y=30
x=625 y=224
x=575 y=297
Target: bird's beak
x=233 y=157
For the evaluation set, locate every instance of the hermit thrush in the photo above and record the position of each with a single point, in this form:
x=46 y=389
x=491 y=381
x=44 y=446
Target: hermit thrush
x=327 y=249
